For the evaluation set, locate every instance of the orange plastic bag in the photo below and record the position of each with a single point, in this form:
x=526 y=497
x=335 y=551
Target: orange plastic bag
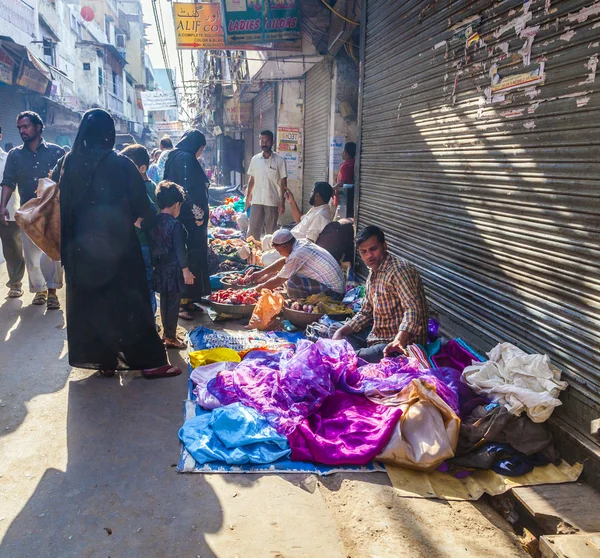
x=268 y=306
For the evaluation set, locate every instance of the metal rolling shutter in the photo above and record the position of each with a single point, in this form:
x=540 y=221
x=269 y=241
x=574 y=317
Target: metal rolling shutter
x=264 y=115
x=497 y=203
x=316 y=128
x=12 y=102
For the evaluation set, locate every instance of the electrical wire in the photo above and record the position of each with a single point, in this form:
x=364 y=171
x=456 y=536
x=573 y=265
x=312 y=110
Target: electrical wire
x=349 y=49
x=340 y=15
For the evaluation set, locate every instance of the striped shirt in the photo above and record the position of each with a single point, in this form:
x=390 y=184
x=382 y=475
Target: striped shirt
x=312 y=261
x=394 y=301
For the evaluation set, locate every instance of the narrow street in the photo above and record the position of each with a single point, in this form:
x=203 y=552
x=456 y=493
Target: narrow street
x=87 y=468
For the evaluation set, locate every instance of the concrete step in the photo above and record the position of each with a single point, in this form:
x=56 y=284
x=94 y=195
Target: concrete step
x=562 y=509
x=570 y=546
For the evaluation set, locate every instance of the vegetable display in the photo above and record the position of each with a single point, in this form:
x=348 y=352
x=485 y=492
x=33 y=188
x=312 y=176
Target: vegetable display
x=235 y=296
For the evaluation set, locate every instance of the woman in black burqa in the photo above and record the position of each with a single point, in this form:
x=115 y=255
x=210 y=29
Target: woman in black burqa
x=183 y=168
x=110 y=324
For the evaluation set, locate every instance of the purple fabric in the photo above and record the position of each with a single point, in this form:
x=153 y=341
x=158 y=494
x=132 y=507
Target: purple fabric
x=348 y=430
x=391 y=375
x=287 y=392
x=452 y=355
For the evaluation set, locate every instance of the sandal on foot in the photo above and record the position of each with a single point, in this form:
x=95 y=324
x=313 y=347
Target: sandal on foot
x=52 y=303
x=40 y=299
x=15 y=292
x=185 y=315
x=174 y=344
x=165 y=371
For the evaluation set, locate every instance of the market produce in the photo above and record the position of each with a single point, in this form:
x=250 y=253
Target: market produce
x=319 y=304
x=235 y=296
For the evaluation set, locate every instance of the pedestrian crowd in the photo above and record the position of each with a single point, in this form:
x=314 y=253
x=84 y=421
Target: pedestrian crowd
x=134 y=225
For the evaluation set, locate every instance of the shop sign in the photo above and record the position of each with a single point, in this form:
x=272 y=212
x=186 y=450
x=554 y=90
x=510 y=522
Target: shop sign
x=200 y=26
x=7 y=65
x=168 y=127
x=260 y=21
x=32 y=79
x=158 y=100
x=237 y=115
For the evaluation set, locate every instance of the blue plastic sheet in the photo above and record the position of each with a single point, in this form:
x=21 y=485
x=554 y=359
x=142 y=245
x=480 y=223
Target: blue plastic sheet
x=234 y=434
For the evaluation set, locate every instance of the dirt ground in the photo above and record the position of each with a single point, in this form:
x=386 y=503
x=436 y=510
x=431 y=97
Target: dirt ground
x=87 y=468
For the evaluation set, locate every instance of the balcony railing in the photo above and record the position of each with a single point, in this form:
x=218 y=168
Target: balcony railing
x=115 y=105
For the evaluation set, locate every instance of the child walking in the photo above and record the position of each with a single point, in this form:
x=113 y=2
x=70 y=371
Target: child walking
x=167 y=238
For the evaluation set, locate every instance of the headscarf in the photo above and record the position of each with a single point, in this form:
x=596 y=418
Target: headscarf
x=95 y=139
x=190 y=143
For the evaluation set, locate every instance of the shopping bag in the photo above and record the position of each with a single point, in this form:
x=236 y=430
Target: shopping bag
x=427 y=432
x=268 y=306
x=39 y=218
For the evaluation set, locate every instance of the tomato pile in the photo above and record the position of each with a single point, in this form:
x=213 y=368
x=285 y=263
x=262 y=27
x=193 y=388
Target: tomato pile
x=234 y=296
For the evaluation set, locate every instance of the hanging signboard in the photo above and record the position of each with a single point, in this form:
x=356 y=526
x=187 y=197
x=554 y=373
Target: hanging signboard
x=7 y=65
x=260 y=21
x=158 y=100
x=32 y=79
x=237 y=115
x=199 y=26
x=175 y=126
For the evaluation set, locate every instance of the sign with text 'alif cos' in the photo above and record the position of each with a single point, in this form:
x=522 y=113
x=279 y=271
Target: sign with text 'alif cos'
x=260 y=21
x=158 y=100
x=199 y=26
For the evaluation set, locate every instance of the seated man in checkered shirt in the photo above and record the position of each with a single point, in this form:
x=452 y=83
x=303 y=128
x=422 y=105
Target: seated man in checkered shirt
x=304 y=268
x=394 y=310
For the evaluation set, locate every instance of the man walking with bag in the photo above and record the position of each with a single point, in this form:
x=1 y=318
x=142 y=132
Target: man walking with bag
x=24 y=166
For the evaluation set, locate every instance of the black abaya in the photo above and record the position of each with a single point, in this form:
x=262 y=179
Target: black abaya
x=183 y=168
x=110 y=324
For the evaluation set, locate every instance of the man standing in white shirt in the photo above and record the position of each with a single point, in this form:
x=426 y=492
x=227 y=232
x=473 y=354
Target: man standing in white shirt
x=10 y=235
x=311 y=225
x=266 y=189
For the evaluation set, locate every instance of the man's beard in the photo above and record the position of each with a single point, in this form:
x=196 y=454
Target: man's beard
x=311 y=201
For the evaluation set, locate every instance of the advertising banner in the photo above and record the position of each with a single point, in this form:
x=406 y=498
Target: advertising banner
x=199 y=26
x=158 y=100
x=260 y=21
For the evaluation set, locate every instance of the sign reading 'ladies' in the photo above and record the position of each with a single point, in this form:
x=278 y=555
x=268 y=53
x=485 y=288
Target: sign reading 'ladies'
x=260 y=21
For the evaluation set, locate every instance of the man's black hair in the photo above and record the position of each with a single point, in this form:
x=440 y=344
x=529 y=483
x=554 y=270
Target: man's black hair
x=33 y=116
x=138 y=154
x=324 y=190
x=369 y=232
x=168 y=194
x=166 y=143
x=267 y=133
x=350 y=148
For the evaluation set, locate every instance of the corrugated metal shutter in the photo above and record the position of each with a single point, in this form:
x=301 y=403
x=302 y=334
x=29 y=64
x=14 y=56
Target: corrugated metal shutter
x=316 y=128
x=497 y=200
x=11 y=104
x=264 y=114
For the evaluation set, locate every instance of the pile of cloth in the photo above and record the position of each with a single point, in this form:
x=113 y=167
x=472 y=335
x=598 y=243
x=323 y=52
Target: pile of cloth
x=226 y=215
x=318 y=402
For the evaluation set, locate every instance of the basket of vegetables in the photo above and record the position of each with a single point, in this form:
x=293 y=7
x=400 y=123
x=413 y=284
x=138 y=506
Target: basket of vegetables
x=236 y=302
x=302 y=313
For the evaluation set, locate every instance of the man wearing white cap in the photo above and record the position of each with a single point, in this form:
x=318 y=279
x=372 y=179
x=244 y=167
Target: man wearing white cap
x=306 y=268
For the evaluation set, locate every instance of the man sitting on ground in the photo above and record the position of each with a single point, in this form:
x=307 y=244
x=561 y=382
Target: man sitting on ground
x=311 y=225
x=306 y=268
x=394 y=303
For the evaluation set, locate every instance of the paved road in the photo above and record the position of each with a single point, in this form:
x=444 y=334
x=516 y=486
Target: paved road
x=87 y=469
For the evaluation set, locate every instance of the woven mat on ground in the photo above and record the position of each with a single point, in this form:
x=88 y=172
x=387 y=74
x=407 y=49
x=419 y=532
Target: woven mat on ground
x=416 y=484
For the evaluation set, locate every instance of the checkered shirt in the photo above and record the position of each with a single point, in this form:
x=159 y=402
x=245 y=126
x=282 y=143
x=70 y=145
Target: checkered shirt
x=394 y=301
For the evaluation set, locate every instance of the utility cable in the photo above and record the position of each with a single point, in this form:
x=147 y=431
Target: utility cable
x=340 y=15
